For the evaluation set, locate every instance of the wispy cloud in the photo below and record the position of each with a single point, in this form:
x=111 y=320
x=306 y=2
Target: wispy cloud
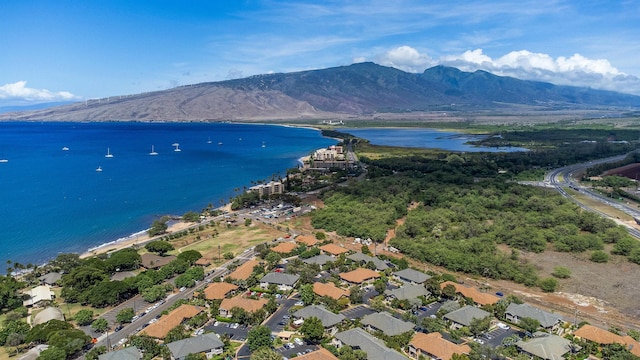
x=20 y=91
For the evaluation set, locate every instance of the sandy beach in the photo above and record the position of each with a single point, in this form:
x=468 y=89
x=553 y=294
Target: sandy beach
x=142 y=237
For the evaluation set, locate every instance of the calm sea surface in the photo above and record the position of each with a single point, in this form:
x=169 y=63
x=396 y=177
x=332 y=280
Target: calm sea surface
x=423 y=138
x=54 y=201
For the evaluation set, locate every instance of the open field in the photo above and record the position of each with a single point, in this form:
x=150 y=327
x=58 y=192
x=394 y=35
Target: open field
x=631 y=171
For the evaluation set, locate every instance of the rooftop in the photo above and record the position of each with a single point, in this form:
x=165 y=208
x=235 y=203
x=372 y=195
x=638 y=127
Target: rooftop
x=362 y=258
x=280 y=278
x=161 y=328
x=412 y=275
x=333 y=249
x=248 y=305
x=307 y=240
x=328 y=318
x=600 y=336
x=359 y=275
x=434 y=344
x=322 y=354
x=194 y=345
x=216 y=291
x=374 y=347
x=284 y=248
x=545 y=346
x=546 y=319
x=128 y=353
x=472 y=293
x=408 y=292
x=153 y=261
x=329 y=289
x=319 y=259
x=386 y=323
x=466 y=314
x=243 y=271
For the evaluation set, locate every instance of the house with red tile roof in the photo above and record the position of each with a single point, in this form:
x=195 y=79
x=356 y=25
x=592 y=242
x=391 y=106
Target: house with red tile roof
x=217 y=291
x=359 y=276
x=284 y=248
x=243 y=271
x=433 y=346
x=333 y=249
x=249 y=305
x=604 y=337
x=329 y=289
x=478 y=297
x=161 y=328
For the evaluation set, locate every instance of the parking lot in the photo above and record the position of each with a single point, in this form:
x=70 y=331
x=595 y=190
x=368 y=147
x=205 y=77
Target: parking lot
x=494 y=337
x=357 y=312
x=239 y=333
x=428 y=310
x=277 y=322
x=292 y=349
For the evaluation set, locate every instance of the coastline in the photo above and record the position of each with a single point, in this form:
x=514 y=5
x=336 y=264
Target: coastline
x=141 y=237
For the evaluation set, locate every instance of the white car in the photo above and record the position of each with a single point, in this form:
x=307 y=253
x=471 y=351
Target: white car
x=503 y=326
x=479 y=341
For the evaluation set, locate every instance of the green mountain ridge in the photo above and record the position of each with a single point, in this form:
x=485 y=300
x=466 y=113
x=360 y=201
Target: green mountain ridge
x=362 y=89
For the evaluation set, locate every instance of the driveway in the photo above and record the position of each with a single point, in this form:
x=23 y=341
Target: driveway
x=428 y=310
x=297 y=350
x=494 y=337
x=357 y=312
x=238 y=334
x=277 y=317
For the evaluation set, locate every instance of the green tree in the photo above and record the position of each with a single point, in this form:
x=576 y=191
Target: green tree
x=321 y=236
x=84 y=317
x=306 y=294
x=100 y=325
x=41 y=332
x=548 y=284
x=70 y=341
x=355 y=294
x=529 y=324
x=159 y=246
x=312 y=329
x=247 y=222
x=449 y=291
x=228 y=255
x=191 y=216
x=198 y=356
x=265 y=353
x=190 y=256
x=177 y=333
x=125 y=315
x=561 y=272
x=158 y=227
x=478 y=326
x=272 y=258
x=52 y=353
x=599 y=256
x=153 y=293
x=259 y=336
x=95 y=353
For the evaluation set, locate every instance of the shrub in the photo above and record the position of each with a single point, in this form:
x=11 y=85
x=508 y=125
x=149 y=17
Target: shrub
x=548 y=284
x=561 y=272
x=599 y=256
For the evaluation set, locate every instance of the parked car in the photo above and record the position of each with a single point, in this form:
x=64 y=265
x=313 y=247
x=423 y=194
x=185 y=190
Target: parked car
x=119 y=327
x=503 y=326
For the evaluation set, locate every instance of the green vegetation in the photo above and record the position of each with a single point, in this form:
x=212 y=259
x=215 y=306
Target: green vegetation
x=468 y=205
x=561 y=272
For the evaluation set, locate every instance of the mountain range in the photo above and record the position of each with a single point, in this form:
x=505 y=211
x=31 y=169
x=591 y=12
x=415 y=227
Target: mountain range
x=358 y=90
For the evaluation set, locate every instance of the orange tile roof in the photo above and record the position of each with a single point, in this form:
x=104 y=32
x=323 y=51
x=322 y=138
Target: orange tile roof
x=333 y=249
x=359 y=275
x=472 y=293
x=284 y=248
x=330 y=290
x=307 y=240
x=161 y=328
x=600 y=336
x=249 y=305
x=243 y=271
x=216 y=291
x=434 y=344
x=322 y=354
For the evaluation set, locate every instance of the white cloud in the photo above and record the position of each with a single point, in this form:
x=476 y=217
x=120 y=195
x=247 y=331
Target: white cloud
x=359 y=59
x=20 y=91
x=406 y=58
x=575 y=70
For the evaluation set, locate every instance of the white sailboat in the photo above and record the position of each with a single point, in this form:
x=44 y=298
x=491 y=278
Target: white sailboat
x=209 y=141
x=177 y=147
x=153 y=152
x=4 y=161
x=99 y=169
x=64 y=148
x=109 y=154
x=263 y=145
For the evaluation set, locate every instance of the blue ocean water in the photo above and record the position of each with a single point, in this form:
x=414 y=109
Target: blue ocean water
x=423 y=138
x=54 y=201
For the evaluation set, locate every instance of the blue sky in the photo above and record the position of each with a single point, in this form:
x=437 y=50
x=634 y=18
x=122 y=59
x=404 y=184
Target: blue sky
x=75 y=50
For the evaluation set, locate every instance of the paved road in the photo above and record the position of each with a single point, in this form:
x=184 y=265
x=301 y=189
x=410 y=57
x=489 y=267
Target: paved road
x=562 y=178
x=112 y=338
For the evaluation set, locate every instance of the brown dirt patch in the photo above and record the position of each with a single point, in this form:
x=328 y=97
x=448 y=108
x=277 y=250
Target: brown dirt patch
x=631 y=171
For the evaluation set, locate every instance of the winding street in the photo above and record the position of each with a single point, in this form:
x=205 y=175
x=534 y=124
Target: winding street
x=562 y=178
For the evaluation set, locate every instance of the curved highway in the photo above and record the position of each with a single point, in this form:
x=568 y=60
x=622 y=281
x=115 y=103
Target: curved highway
x=562 y=178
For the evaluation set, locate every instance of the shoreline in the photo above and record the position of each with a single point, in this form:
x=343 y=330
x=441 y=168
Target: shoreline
x=141 y=237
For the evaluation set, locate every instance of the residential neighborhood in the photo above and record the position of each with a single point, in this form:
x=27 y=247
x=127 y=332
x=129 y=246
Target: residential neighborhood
x=306 y=297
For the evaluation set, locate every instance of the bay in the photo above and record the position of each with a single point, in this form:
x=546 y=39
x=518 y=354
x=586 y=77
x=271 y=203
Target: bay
x=424 y=138
x=54 y=201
